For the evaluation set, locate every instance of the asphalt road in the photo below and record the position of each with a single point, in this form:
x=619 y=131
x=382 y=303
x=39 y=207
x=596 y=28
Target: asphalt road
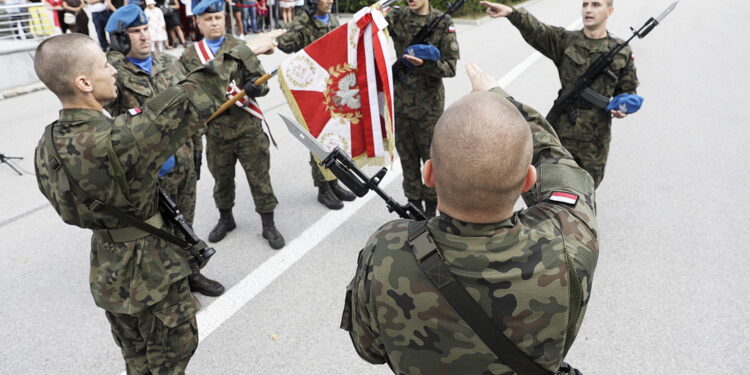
x=670 y=292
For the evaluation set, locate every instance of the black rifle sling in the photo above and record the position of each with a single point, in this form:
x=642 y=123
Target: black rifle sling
x=431 y=263
x=97 y=205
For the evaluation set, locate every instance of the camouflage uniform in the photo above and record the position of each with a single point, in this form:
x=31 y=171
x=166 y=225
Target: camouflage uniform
x=237 y=135
x=134 y=88
x=304 y=30
x=587 y=137
x=420 y=96
x=140 y=283
x=531 y=273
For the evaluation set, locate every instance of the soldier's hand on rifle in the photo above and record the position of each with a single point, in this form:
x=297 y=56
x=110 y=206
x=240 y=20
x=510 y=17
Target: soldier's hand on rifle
x=495 y=10
x=480 y=81
x=265 y=43
x=618 y=114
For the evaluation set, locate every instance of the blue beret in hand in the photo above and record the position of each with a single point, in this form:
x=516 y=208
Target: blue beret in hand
x=626 y=103
x=422 y=51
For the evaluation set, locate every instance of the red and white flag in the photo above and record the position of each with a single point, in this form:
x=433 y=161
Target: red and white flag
x=247 y=103
x=340 y=88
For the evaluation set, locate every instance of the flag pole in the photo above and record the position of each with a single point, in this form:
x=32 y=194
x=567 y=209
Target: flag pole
x=240 y=95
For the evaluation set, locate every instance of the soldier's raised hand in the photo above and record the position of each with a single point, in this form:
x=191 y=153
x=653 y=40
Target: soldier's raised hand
x=480 y=81
x=265 y=43
x=495 y=10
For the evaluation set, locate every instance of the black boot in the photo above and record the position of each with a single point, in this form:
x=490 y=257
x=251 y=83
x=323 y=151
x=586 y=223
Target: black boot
x=225 y=225
x=430 y=208
x=202 y=284
x=275 y=239
x=328 y=198
x=340 y=192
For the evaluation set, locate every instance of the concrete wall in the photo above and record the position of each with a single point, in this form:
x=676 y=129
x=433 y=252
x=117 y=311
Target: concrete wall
x=17 y=62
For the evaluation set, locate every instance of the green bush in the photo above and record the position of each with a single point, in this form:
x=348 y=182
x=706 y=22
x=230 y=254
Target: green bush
x=472 y=8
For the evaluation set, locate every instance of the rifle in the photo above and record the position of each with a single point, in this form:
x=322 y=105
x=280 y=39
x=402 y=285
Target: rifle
x=200 y=251
x=398 y=68
x=582 y=86
x=343 y=167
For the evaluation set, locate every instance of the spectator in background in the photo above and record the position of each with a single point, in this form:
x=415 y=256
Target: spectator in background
x=100 y=12
x=298 y=6
x=74 y=18
x=55 y=6
x=157 y=27
x=250 y=14
x=287 y=10
x=263 y=18
x=273 y=14
x=239 y=22
x=171 y=10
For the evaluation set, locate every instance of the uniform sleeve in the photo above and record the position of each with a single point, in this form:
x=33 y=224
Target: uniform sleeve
x=359 y=317
x=544 y=38
x=628 y=82
x=449 y=54
x=293 y=40
x=557 y=171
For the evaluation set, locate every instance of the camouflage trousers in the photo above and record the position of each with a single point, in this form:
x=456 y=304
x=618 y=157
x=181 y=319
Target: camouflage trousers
x=251 y=149
x=162 y=338
x=590 y=155
x=317 y=175
x=181 y=185
x=413 y=140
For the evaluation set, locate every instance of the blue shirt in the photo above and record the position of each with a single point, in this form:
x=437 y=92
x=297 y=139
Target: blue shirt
x=323 y=19
x=214 y=45
x=144 y=64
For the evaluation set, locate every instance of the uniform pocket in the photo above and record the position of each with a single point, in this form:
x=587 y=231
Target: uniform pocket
x=176 y=331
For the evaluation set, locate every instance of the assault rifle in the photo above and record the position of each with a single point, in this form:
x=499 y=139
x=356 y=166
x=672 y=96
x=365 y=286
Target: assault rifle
x=582 y=86
x=199 y=250
x=399 y=69
x=342 y=165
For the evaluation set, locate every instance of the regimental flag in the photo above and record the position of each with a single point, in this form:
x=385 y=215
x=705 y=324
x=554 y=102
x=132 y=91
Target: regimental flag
x=340 y=88
x=247 y=103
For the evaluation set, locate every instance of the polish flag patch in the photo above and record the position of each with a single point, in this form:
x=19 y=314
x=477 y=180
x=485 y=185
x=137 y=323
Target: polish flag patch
x=567 y=198
x=451 y=29
x=135 y=111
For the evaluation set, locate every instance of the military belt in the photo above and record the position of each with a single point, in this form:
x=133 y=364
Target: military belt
x=128 y=234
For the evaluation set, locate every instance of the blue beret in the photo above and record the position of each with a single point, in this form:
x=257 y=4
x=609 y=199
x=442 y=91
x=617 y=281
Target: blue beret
x=130 y=15
x=626 y=103
x=208 y=6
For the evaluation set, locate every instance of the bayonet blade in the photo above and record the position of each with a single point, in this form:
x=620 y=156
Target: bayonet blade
x=666 y=12
x=305 y=137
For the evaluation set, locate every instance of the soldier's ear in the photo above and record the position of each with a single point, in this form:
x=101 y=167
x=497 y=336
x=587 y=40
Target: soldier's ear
x=530 y=179
x=83 y=84
x=428 y=174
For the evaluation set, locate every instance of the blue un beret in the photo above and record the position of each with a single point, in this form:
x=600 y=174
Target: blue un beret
x=626 y=103
x=130 y=15
x=208 y=6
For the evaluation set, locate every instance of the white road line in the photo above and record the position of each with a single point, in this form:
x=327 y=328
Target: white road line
x=222 y=308
x=527 y=62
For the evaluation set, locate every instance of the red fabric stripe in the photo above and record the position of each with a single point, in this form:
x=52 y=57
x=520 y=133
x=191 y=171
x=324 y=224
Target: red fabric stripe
x=330 y=50
x=362 y=133
x=202 y=49
x=383 y=82
x=564 y=195
x=311 y=105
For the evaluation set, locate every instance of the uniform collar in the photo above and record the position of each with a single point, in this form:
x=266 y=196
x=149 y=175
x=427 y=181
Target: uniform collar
x=157 y=65
x=73 y=115
x=445 y=223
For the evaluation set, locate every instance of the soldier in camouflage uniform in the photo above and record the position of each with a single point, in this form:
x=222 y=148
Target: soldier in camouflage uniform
x=306 y=28
x=234 y=135
x=588 y=133
x=137 y=278
x=419 y=94
x=136 y=84
x=530 y=271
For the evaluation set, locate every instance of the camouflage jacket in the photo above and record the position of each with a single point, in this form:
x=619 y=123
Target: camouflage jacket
x=421 y=92
x=572 y=52
x=531 y=273
x=234 y=121
x=304 y=30
x=116 y=160
x=135 y=87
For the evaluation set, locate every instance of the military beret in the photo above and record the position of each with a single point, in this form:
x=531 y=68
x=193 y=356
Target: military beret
x=208 y=6
x=130 y=15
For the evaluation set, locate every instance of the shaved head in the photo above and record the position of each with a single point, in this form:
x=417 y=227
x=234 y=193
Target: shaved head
x=60 y=59
x=481 y=151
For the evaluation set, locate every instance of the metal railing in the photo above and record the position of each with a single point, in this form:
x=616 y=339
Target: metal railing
x=26 y=21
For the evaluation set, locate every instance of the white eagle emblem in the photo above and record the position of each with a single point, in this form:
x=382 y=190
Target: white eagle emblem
x=347 y=94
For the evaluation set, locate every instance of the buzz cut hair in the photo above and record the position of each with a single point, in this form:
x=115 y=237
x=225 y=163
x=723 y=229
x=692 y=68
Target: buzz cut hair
x=59 y=59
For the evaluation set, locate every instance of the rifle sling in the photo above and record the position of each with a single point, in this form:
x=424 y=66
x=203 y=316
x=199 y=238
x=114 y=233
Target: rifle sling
x=431 y=263
x=97 y=205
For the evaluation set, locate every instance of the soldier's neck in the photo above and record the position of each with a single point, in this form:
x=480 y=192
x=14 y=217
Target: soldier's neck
x=475 y=217
x=87 y=102
x=597 y=33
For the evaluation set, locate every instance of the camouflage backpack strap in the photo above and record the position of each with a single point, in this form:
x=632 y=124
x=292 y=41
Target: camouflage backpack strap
x=431 y=262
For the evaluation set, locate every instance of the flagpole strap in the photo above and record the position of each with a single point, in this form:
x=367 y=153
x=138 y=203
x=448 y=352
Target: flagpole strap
x=229 y=103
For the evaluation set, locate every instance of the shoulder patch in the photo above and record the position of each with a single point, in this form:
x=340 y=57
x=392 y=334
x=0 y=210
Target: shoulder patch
x=566 y=198
x=454 y=46
x=135 y=111
x=451 y=29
